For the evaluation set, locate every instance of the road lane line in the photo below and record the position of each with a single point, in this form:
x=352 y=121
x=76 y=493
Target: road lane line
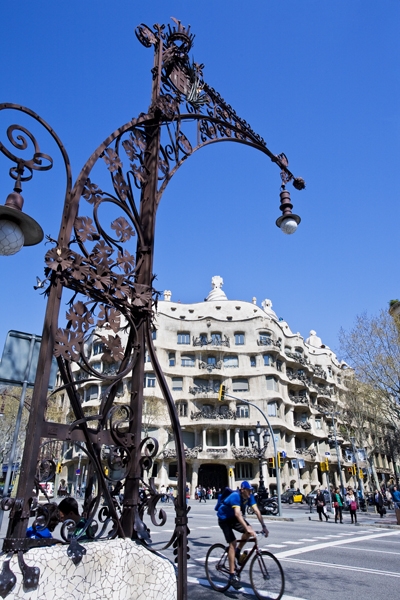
x=276 y=545
x=329 y=544
x=293 y=543
x=371 y=550
x=342 y=567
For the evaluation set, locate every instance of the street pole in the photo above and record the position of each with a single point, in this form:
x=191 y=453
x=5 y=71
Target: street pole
x=338 y=454
x=278 y=474
x=18 y=423
x=359 y=480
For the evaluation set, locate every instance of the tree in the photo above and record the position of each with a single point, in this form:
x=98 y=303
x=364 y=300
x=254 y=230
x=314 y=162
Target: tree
x=372 y=348
x=154 y=414
x=9 y=404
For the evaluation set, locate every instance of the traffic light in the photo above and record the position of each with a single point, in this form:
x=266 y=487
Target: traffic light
x=58 y=468
x=354 y=469
x=280 y=460
x=221 y=393
x=230 y=472
x=106 y=471
x=324 y=466
x=271 y=463
x=361 y=474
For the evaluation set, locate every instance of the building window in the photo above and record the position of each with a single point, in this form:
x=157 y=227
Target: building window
x=268 y=360
x=298 y=350
x=203 y=339
x=146 y=357
x=207 y=409
x=150 y=380
x=187 y=360
x=182 y=409
x=92 y=392
x=244 y=438
x=253 y=361
x=183 y=338
x=211 y=360
x=97 y=366
x=239 y=339
x=242 y=411
x=272 y=383
x=279 y=364
x=154 y=470
x=98 y=348
x=177 y=384
x=243 y=471
x=154 y=334
x=265 y=338
x=120 y=389
x=272 y=409
x=240 y=385
x=171 y=359
x=318 y=423
x=173 y=470
x=216 y=437
x=216 y=339
x=231 y=361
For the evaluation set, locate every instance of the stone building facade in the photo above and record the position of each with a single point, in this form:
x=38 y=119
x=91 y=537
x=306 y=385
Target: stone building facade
x=296 y=382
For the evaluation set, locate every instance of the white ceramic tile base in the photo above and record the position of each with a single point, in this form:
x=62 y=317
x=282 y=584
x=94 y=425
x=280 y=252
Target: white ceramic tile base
x=118 y=569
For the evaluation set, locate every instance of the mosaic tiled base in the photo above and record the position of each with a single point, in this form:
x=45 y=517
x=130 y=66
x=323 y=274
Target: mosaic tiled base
x=118 y=569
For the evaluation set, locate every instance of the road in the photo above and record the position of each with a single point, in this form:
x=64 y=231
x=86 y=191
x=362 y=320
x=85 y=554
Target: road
x=320 y=559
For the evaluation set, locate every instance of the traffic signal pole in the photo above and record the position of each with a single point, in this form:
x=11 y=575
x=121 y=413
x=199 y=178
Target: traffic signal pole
x=221 y=396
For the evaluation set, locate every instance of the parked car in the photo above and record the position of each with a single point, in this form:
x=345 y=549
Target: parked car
x=10 y=487
x=310 y=498
x=291 y=496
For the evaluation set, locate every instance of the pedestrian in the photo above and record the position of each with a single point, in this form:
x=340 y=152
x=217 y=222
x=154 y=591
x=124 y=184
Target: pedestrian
x=202 y=494
x=337 y=502
x=396 y=497
x=389 y=499
x=379 y=503
x=351 y=501
x=321 y=505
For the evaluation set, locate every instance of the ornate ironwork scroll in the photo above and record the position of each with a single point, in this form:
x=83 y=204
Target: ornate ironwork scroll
x=103 y=257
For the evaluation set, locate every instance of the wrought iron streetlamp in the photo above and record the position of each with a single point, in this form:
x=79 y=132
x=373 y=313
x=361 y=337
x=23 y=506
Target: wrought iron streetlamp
x=261 y=449
x=111 y=286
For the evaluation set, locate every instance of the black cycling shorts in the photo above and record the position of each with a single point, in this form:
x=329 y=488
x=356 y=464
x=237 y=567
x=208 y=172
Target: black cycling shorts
x=228 y=525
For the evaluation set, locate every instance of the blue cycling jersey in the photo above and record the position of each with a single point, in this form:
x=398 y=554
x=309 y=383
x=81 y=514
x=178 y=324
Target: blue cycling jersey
x=226 y=509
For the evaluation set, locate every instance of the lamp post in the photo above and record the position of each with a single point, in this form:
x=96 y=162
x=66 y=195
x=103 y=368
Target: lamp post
x=261 y=449
x=355 y=454
x=109 y=282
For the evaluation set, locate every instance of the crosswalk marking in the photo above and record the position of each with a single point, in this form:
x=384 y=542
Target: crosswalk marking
x=292 y=543
x=276 y=546
x=244 y=590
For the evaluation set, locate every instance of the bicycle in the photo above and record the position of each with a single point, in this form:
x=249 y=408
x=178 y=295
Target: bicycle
x=266 y=574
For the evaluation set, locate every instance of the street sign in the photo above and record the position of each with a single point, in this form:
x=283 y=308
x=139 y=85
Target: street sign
x=15 y=359
x=327 y=453
x=78 y=472
x=283 y=454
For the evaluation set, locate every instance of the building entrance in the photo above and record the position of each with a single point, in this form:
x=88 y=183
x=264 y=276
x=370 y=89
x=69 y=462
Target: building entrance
x=211 y=475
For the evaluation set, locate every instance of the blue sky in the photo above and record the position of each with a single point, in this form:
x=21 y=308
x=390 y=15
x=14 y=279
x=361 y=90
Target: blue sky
x=317 y=80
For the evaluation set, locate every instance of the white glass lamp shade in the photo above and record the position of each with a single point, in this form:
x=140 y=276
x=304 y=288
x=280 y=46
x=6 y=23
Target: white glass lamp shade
x=288 y=226
x=11 y=237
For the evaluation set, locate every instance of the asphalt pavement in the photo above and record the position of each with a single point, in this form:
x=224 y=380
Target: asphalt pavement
x=318 y=558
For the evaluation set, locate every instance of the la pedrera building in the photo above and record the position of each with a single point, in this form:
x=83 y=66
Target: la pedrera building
x=246 y=347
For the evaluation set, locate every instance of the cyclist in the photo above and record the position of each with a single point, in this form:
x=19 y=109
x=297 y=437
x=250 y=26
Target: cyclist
x=230 y=517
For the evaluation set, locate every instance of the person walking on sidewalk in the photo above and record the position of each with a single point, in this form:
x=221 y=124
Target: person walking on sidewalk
x=379 y=502
x=351 y=501
x=321 y=505
x=337 y=502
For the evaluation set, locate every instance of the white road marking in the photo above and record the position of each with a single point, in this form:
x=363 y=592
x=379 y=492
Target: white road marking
x=204 y=527
x=244 y=590
x=370 y=550
x=333 y=536
x=293 y=543
x=342 y=567
x=276 y=545
x=329 y=544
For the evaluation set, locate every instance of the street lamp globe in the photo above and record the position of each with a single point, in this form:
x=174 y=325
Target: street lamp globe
x=267 y=437
x=11 y=237
x=251 y=437
x=288 y=225
x=17 y=229
x=258 y=428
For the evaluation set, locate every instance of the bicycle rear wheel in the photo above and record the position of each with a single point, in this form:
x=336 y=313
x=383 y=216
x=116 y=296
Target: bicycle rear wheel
x=217 y=567
x=266 y=576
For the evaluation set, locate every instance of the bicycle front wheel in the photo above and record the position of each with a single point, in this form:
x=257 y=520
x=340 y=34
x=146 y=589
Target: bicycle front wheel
x=266 y=576
x=217 y=567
